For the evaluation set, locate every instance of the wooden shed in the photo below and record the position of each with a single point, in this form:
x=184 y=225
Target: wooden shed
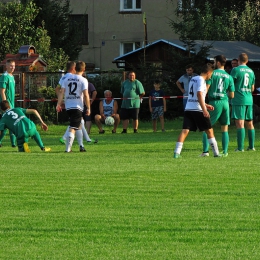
x=26 y=60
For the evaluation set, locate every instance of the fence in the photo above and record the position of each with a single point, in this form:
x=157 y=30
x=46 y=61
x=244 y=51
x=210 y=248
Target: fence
x=37 y=90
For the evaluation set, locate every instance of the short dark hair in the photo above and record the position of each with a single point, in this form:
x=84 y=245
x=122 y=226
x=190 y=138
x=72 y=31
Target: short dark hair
x=207 y=68
x=70 y=65
x=80 y=66
x=157 y=81
x=10 y=61
x=189 y=66
x=221 y=59
x=4 y=105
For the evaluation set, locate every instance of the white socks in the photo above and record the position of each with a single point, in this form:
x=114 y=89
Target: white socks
x=84 y=131
x=214 y=146
x=64 y=137
x=178 y=148
x=79 y=137
x=69 y=141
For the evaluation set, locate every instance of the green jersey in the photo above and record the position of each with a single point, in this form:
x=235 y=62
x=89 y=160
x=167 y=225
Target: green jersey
x=220 y=82
x=7 y=82
x=131 y=91
x=16 y=121
x=244 y=79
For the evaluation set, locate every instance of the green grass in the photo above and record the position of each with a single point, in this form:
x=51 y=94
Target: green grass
x=127 y=198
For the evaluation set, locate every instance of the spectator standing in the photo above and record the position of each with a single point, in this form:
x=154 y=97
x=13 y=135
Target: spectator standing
x=7 y=92
x=196 y=115
x=157 y=105
x=107 y=107
x=132 y=91
x=183 y=83
x=75 y=89
x=242 y=103
x=219 y=86
x=234 y=64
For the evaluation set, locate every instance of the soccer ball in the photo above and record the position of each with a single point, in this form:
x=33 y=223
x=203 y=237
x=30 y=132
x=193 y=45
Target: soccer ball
x=109 y=120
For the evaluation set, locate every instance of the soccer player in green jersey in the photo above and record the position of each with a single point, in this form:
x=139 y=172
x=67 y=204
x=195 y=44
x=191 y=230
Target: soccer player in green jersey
x=218 y=85
x=242 y=104
x=7 y=92
x=16 y=121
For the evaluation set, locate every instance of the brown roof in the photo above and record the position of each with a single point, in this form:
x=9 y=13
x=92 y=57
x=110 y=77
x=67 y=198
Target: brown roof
x=21 y=60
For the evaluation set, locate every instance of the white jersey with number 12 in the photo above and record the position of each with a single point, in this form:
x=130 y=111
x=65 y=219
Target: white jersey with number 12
x=74 y=86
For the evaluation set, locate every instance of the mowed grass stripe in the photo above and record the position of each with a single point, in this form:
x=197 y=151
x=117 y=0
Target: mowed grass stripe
x=127 y=198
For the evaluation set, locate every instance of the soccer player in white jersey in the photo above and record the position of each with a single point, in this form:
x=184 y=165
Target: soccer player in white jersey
x=75 y=89
x=196 y=115
x=71 y=70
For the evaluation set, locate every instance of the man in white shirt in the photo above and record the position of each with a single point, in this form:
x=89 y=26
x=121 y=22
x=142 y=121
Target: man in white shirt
x=75 y=90
x=196 y=115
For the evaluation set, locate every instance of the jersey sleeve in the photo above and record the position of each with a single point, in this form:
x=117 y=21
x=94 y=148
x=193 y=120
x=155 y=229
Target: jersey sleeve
x=140 y=87
x=3 y=81
x=181 y=79
x=200 y=84
x=209 y=81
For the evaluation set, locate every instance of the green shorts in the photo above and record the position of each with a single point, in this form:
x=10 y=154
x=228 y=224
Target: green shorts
x=25 y=138
x=220 y=113
x=242 y=112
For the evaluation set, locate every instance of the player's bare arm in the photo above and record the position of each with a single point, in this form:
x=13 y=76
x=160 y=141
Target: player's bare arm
x=231 y=95
x=35 y=112
x=57 y=90
x=60 y=99
x=87 y=102
x=2 y=93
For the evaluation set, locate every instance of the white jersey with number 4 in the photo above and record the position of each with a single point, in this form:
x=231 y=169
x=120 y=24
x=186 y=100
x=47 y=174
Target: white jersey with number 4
x=196 y=84
x=74 y=86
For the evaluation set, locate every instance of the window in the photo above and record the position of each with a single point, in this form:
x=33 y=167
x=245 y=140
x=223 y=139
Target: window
x=80 y=21
x=129 y=46
x=130 y=5
x=185 y=5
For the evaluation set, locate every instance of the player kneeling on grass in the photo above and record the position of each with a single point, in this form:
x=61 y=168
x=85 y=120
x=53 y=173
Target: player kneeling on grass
x=16 y=121
x=196 y=115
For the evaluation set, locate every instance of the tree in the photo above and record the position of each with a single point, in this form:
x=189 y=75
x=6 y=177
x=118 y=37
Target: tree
x=16 y=26
x=206 y=23
x=56 y=17
x=55 y=58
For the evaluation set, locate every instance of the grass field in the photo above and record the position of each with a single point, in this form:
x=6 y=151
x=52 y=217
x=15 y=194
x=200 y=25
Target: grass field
x=127 y=198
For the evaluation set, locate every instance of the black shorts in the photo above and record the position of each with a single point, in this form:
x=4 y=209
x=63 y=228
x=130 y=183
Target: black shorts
x=129 y=113
x=194 y=120
x=75 y=118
